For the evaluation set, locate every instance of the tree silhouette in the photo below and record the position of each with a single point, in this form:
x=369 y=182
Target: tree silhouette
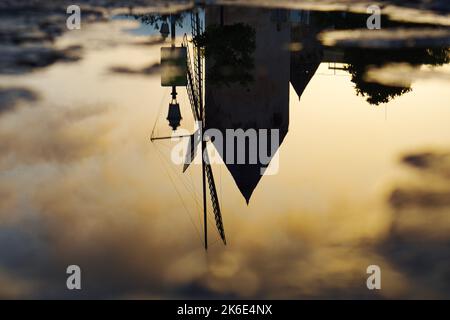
x=229 y=50
x=156 y=20
x=359 y=61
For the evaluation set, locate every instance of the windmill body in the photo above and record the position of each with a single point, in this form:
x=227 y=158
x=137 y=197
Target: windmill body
x=263 y=103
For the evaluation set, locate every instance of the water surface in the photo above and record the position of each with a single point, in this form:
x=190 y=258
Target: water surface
x=363 y=174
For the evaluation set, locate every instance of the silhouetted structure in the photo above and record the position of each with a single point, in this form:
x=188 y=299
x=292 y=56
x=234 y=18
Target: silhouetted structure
x=262 y=103
x=251 y=57
x=306 y=56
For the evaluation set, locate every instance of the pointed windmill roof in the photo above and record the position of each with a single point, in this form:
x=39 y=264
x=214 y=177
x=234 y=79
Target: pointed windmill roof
x=247 y=176
x=302 y=73
x=305 y=62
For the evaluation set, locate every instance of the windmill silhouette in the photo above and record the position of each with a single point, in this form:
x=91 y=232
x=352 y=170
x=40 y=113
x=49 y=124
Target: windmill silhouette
x=262 y=103
x=194 y=87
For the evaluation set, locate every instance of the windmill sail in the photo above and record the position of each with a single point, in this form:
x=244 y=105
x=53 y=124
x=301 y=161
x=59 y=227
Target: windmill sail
x=193 y=87
x=194 y=141
x=191 y=84
x=195 y=92
x=214 y=199
x=194 y=99
x=197 y=29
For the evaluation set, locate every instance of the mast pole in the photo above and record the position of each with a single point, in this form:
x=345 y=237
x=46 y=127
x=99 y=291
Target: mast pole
x=204 y=194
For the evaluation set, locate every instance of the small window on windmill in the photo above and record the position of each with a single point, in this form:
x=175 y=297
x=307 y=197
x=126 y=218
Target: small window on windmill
x=173 y=67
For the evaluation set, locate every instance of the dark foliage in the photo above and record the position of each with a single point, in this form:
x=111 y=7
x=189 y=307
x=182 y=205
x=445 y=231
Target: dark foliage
x=360 y=59
x=229 y=50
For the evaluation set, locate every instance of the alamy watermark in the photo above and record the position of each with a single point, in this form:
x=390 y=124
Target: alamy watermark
x=374 y=280
x=374 y=20
x=73 y=281
x=232 y=146
x=73 y=21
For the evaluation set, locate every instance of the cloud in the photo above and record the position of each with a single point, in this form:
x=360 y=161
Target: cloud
x=418 y=242
x=101 y=213
x=10 y=98
x=436 y=162
x=83 y=193
x=403 y=74
x=80 y=184
x=24 y=59
x=49 y=134
x=387 y=38
x=151 y=69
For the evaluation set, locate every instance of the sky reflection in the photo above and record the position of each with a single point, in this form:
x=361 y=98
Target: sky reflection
x=80 y=183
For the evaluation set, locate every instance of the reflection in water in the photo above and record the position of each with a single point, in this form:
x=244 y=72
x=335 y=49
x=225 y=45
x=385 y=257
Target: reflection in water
x=437 y=166
x=229 y=50
x=418 y=242
x=246 y=90
x=79 y=182
x=262 y=101
x=11 y=97
x=360 y=60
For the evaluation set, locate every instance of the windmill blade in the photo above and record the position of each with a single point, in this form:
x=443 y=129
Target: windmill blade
x=191 y=87
x=214 y=199
x=194 y=141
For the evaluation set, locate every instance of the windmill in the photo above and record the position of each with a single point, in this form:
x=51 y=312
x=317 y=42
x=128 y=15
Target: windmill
x=193 y=81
